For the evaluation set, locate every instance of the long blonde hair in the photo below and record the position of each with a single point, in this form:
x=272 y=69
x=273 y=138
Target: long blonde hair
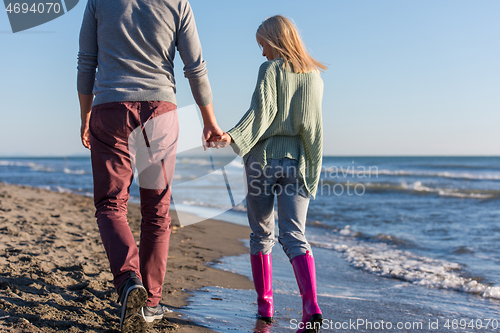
x=286 y=43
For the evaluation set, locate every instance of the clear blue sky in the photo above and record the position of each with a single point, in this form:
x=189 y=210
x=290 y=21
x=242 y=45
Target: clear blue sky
x=416 y=77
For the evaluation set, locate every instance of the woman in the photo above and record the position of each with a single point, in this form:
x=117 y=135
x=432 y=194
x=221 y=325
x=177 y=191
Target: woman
x=280 y=139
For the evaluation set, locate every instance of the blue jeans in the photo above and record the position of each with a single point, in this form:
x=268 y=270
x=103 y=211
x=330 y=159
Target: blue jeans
x=279 y=178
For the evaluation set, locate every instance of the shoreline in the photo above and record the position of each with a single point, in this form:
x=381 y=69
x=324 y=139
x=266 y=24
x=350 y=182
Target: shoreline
x=54 y=274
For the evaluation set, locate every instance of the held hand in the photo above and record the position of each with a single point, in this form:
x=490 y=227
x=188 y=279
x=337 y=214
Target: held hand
x=85 y=135
x=220 y=141
x=209 y=132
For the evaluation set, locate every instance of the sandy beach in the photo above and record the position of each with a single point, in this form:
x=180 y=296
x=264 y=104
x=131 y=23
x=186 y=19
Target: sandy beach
x=54 y=274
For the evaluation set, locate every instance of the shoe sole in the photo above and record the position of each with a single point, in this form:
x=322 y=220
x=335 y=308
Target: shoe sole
x=132 y=319
x=315 y=321
x=134 y=323
x=267 y=320
x=150 y=319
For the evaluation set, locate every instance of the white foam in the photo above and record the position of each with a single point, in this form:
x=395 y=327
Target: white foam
x=61 y=189
x=197 y=161
x=446 y=192
x=346 y=231
x=369 y=172
x=33 y=166
x=20 y=164
x=342 y=297
x=74 y=172
x=418 y=187
x=386 y=260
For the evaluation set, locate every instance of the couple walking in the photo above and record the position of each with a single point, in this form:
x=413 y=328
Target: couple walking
x=132 y=44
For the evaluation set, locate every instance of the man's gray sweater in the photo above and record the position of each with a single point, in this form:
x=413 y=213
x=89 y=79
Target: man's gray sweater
x=132 y=44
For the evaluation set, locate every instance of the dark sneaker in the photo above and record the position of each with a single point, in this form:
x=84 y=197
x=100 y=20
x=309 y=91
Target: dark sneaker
x=132 y=296
x=154 y=312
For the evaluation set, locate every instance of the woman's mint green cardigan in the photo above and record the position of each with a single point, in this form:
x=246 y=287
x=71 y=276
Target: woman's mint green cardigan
x=284 y=120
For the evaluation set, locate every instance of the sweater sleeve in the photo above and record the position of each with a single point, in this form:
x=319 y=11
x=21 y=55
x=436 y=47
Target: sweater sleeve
x=87 y=55
x=259 y=117
x=189 y=47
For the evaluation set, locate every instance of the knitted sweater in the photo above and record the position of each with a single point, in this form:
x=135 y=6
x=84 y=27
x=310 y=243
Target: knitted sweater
x=133 y=43
x=284 y=120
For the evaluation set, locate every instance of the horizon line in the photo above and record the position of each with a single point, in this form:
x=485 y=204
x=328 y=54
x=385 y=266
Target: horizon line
x=382 y=155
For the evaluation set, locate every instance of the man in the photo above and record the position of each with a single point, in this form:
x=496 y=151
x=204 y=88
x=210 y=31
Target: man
x=132 y=44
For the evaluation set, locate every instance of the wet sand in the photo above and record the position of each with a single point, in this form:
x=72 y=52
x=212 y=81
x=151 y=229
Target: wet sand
x=54 y=274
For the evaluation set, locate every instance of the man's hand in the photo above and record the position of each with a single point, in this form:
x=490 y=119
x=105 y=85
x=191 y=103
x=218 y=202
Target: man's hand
x=211 y=129
x=220 y=141
x=85 y=135
x=85 y=110
x=209 y=133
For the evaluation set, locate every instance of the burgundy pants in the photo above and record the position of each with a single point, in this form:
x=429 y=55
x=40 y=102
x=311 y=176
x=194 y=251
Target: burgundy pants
x=126 y=136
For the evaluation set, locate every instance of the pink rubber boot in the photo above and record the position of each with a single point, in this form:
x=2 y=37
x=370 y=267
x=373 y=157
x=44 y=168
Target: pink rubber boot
x=305 y=273
x=262 y=272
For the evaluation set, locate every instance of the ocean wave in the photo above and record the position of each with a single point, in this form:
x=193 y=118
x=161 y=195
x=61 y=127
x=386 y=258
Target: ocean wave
x=449 y=175
x=234 y=163
x=43 y=168
x=463 y=166
x=419 y=188
x=240 y=207
x=195 y=161
x=388 y=261
x=373 y=172
x=183 y=177
x=463 y=250
x=61 y=189
x=12 y=163
x=75 y=172
x=347 y=231
x=328 y=186
x=33 y=166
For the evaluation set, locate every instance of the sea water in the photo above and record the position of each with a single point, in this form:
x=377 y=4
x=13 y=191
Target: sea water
x=351 y=300
x=429 y=225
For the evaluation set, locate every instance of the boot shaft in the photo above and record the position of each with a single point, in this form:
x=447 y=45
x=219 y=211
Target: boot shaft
x=305 y=273
x=262 y=273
